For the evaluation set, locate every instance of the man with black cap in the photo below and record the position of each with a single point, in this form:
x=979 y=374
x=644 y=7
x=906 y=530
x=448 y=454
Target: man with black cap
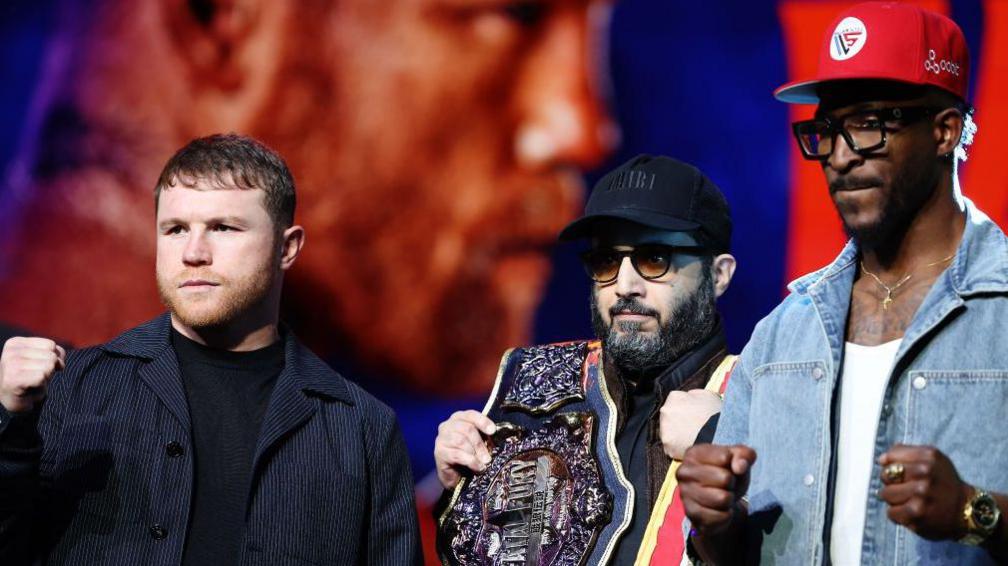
x=566 y=462
x=876 y=394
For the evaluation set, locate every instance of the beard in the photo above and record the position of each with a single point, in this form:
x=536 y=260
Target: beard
x=911 y=187
x=691 y=319
x=223 y=305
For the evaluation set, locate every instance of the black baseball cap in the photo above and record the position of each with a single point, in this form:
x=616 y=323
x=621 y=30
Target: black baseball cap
x=658 y=192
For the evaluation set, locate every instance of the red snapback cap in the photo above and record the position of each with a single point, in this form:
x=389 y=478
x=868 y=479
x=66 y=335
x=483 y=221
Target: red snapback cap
x=888 y=41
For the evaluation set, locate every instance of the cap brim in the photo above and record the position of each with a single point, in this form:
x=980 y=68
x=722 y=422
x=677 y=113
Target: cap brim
x=799 y=92
x=807 y=92
x=583 y=227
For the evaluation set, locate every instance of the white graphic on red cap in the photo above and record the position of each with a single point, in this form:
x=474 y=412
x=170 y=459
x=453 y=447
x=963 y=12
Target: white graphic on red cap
x=848 y=38
x=932 y=65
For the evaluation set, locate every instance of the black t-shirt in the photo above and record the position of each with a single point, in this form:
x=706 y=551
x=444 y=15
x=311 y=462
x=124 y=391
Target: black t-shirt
x=228 y=393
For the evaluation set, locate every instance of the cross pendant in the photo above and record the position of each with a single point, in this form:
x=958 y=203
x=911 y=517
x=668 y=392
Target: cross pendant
x=886 y=301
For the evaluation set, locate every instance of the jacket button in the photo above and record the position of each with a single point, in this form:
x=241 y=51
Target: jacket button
x=919 y=382
x=817 y=373
x=157 y=532
x=174 y=449
x=808 y=480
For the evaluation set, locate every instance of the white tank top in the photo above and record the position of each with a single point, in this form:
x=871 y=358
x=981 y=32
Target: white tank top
x=863 y=383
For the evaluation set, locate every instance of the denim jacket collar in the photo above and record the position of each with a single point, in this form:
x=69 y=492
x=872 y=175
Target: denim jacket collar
x=974 y=270
x=971 y=272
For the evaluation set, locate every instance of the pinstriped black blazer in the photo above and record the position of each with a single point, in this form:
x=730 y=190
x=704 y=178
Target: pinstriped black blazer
x=98 y=476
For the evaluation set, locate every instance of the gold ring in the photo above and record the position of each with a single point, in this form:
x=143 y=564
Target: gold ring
x=893 y=473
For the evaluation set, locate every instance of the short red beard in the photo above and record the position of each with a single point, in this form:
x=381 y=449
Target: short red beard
x=236 y=297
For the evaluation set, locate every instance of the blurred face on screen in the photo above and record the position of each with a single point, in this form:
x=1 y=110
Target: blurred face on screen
x=438 y=145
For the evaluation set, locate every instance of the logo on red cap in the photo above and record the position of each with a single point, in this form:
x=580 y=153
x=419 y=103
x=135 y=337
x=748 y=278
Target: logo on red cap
x=932 y=65
x=849 y=37
x=909 y=44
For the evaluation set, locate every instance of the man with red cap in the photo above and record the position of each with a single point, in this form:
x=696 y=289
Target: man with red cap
x=874 y=395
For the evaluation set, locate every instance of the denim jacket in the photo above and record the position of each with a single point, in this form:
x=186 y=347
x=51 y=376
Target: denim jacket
x=948 y=389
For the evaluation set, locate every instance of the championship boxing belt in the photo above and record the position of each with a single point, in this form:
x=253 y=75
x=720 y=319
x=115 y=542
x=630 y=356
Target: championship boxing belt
x=554 y=492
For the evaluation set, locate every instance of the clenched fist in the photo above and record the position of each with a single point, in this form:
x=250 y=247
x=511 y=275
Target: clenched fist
x=26 y=366
x=929 y=497
x=459 y=444
x=682 y=416
x=712 y=479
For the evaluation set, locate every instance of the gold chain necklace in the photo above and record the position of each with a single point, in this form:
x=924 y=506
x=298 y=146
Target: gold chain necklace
x=890 y=290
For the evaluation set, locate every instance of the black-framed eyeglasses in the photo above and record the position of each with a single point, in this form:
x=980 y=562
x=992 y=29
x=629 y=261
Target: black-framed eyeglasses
x=651 y=261
x=864 y=131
